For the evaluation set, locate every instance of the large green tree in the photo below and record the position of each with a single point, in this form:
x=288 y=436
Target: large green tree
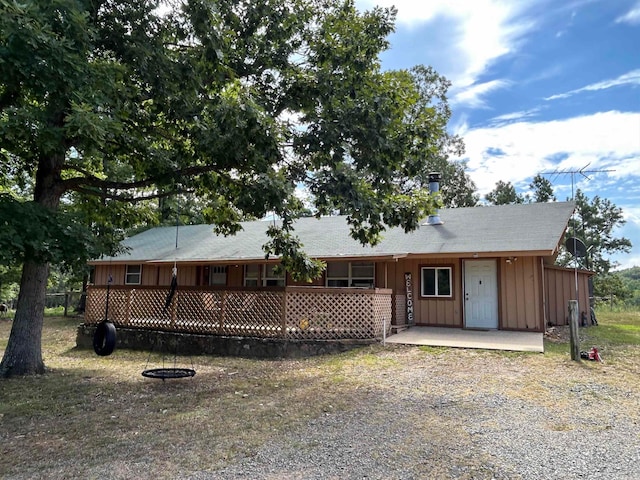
x=432 y=153
x=542 y=189
x=595 y=222
x=504 y=193
x=108 y=104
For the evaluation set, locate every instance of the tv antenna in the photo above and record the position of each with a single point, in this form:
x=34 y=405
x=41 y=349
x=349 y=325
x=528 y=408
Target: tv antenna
x=573 y=244
x=582 y=171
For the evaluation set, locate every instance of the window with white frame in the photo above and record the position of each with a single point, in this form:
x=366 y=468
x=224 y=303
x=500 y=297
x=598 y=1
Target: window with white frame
x=436 y=282
x=263 y=275
x=251 y=275
x=351 y=274
x=218 y=275
x=271 y=278
x=133 y=275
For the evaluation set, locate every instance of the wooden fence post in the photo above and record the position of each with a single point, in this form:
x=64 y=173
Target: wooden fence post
x=573 y=330
x=222 y=312
x=127 y=308
x=283 y=315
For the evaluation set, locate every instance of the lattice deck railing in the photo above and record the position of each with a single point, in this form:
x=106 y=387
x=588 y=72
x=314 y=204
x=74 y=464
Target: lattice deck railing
x=294 y=312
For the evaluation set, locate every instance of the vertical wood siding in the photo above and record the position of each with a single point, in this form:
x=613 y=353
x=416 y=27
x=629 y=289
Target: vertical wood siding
x=520 y=297
x=438 y=312
x=103 y=271
x=560 y=287
x=521 y=305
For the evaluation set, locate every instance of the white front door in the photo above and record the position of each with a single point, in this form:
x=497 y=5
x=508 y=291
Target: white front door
x=481 y=294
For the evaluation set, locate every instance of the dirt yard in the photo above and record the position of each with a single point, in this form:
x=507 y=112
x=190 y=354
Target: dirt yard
x=394 y=412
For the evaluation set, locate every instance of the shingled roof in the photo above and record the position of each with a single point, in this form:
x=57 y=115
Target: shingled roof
x=531 y=229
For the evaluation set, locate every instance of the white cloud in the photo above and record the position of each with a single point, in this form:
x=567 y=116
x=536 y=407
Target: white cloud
x=472 y=96
x=630 y=230
x=632 y=16
x=482 y=31
x=630 y=78
x=516 y=152
x=511 y=117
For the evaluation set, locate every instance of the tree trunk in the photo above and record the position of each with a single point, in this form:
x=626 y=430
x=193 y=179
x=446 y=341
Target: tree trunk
x=23 y=355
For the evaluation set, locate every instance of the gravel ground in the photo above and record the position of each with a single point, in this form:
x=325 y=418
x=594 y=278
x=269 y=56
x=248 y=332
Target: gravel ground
x=464 y=415
x=394 y=412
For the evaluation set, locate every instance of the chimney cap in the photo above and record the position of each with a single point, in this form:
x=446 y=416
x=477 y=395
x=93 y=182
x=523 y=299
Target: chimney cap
x=434 y=177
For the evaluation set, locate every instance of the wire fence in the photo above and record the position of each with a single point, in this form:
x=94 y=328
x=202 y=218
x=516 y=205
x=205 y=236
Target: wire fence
x=71 y=303
x=63 y=303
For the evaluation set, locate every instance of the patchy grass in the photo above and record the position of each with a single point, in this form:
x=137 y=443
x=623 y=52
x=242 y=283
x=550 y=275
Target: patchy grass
x=91 y=416
x=556 y=348
x=617 y=337
x=433 y=350
x=616 y=329
x=86 y=405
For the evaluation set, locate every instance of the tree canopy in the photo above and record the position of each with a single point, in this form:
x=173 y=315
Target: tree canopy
x=542 y=189
x=106 y=105
x=595 y=222
x=504 y=194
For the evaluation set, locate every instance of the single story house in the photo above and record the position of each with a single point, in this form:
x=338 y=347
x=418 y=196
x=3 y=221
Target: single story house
x=488 y=268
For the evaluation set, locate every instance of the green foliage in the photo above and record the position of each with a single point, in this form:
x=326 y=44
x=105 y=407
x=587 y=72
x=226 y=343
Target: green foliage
x=32 y=231
x=630 y=277
x=504 y=194
x=63 y=237
x=9 y=279
x=627 y=288
x=542 y=189
x=594 y=222
x=610 y=284
x=115 y=109
x=109 y=108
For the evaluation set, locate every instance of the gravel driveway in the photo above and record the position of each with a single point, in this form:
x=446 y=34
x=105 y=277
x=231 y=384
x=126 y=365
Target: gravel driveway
x=464 y=414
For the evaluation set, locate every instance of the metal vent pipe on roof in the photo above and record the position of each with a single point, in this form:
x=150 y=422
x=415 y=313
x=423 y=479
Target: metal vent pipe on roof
x=434 y=187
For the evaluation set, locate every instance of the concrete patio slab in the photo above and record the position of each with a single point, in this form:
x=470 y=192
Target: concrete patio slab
x=457 y=337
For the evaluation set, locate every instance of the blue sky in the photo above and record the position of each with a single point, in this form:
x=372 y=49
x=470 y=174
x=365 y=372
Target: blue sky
x=537 y=86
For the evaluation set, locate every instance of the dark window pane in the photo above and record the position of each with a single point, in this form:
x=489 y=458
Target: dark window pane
x=428 y=281
x=362 y=269
x=337 y=269
x=444 y=282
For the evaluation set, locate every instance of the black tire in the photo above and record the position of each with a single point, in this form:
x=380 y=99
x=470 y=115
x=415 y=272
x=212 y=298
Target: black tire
x=104 y=340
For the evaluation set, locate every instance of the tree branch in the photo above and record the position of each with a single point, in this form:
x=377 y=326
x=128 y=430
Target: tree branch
x=104 y=194
x=90 y=180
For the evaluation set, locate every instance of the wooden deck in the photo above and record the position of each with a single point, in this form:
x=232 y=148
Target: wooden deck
x=303 y=313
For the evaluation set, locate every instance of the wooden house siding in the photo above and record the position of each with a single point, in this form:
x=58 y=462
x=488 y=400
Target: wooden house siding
x=439 y=312
x=520 y=300
x=560 y=287
x=235 y=275
x=117 y=273
x=527 y=298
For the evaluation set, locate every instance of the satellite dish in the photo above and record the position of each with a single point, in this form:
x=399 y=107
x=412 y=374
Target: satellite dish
x=576 y=247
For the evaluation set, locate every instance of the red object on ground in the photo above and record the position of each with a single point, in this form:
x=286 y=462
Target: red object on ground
x=595 y=355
